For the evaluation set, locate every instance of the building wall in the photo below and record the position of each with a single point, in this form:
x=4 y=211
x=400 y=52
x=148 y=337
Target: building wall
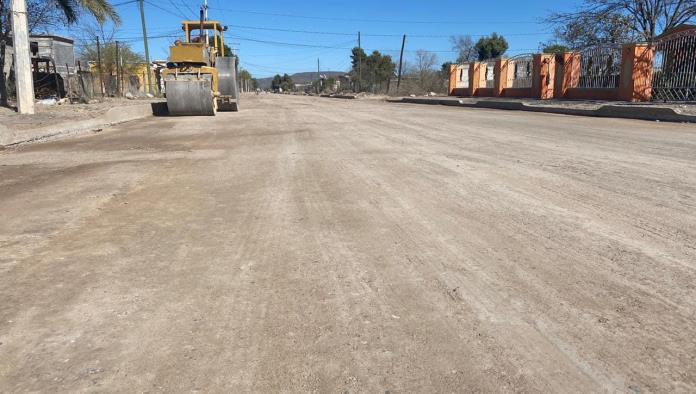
x=61 y=50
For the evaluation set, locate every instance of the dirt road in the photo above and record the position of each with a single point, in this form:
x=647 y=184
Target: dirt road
x=310 y=244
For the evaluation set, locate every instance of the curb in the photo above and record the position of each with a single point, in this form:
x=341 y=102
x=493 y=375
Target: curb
x=111 y=117
x=606 y=111
x=338 y=96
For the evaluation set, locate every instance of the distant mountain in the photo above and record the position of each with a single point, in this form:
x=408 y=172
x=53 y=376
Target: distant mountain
x=303 y=77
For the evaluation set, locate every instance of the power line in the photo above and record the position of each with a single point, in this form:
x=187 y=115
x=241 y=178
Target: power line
x=280 y=43
x=123 y=3
x=339 y=46
x=459 y=22
x=188 y=7
x=374 y=35
x=163 y=9
x=176 y=7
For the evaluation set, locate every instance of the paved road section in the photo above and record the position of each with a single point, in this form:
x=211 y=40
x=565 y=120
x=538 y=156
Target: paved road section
x=308 y=244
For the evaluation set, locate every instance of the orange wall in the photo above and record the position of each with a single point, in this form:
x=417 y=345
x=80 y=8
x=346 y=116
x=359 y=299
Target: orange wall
x=635 y=78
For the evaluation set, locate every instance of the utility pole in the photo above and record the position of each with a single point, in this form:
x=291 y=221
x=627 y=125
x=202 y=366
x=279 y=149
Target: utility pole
x=147 y=50
x=119 y=78
x=359 y=64
x=23 y=75
x=205 y=16
x=401 y=63
x=318 y=78
x=99 y=68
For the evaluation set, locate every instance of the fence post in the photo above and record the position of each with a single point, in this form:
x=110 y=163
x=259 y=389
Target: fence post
x=544 y=76
x=69 y=91
x=99 y=68
x=571 y=73
x=636 y=72
x=472 y=74
x=475 y=76
x=500 y=75
x=452 y=79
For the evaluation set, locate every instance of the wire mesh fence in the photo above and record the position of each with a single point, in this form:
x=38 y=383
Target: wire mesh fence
x=600 y=67
x=674 y=68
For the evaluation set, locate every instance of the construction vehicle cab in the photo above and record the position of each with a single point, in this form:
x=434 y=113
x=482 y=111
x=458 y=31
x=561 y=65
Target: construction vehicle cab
x=200 y=77
x=194 y=49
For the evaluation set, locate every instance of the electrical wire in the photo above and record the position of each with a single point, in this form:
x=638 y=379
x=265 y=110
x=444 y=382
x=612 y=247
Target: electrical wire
x=123 y=3
x=163 y=9
x=178 y=10
x=373 y=35
x=193 y=13
x=459 y=22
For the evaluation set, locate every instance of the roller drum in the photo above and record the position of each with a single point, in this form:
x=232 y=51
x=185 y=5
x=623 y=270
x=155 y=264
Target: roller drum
x=227 y=83
x=190 y=96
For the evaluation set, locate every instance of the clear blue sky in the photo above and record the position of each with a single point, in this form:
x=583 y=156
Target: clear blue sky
x=427 y=24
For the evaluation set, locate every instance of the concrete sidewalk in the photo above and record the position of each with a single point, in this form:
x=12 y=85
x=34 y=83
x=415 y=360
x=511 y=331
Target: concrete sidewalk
x=605 y=109
x=70 y=119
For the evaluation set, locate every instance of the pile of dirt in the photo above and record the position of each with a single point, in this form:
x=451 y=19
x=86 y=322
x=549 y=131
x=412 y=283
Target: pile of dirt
x=55 y=113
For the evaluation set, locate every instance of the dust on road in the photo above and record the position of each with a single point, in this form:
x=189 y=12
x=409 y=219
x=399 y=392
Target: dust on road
x=308 y=244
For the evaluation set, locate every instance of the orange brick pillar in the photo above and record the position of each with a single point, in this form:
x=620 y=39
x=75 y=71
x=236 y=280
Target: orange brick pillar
x=452 y=79
x=475 y=75
x=544 y=76
x=500 y=74
x=571 y=74
x=636 y=72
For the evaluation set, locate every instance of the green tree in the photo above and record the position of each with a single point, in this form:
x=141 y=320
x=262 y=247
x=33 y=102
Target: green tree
x=555 y=48
x=244 y=74
x=246 y=80
x=282 y=82
x=491 y=47
x=358 y=68
x=130 y=60
x=286 y=83
x=228 y=50
x=275 y=83
x=45 y=13
x=371 y=72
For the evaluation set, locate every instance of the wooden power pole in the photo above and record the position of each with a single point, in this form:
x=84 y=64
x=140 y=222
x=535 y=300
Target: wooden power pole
x=23 y=74
x=318 y=78
x=119 y=77
x=401 y=64
x=359 y=64
x=99 y=68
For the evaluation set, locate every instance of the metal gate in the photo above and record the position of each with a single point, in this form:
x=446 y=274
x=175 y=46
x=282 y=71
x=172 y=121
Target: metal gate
x=520 y=71
x=600 y=67
x=674 y=67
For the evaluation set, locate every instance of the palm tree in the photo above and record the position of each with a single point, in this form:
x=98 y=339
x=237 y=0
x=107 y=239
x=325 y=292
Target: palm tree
x=68 y=10
x=101 y=10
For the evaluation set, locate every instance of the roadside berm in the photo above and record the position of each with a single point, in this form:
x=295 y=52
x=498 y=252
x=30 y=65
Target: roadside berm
x=59 y=120
x=665 y=112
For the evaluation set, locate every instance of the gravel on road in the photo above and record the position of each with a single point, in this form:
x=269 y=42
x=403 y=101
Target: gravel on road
x=307 y=244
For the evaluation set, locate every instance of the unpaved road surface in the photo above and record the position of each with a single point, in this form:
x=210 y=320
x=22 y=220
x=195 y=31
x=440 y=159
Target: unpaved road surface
x=310 y=244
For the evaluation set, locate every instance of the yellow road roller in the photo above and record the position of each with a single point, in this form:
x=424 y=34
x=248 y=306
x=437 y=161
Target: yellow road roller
x=200 y=79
